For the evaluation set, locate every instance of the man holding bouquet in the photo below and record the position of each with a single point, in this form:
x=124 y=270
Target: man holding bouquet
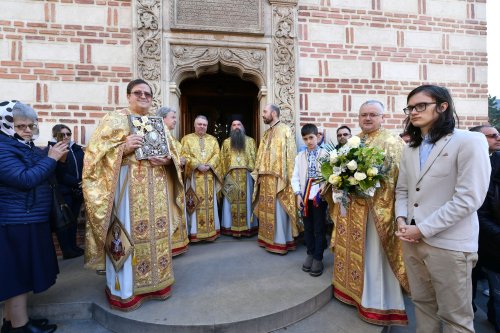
x=368 y=264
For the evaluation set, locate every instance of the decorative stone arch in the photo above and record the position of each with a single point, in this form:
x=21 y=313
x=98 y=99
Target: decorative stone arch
x=188 y=61
x=193 y=61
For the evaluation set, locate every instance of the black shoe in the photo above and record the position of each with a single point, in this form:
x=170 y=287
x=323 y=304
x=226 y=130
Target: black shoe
x=30 y=327
x=316 y=268
x=306 y=267
x=6 y=327
x=79 y=250
x=70 y=254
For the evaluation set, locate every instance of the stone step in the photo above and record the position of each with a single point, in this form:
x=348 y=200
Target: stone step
x=227 y=286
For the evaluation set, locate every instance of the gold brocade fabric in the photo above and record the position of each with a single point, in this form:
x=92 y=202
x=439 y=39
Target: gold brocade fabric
x=155 y=207
x=349 y=235
x=235 y=166
x=276 y=157
x=198 y=151
x=180 y=238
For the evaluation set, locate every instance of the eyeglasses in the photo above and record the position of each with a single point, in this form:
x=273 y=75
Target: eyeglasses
x=371 y=115
x=420 y=107
x=68 y=135
x=139 y=93
x=492 y=136
x=343 y=134
x=23 y=127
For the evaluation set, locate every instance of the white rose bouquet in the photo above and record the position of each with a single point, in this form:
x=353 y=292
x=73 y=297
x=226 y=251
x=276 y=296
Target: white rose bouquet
x=354 y=169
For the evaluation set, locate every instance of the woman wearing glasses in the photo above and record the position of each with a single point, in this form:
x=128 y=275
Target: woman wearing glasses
x=69 y=184
x=131 y=202
x=28 y=261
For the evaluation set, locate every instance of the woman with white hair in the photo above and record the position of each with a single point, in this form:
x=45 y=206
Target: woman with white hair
x=28 y=261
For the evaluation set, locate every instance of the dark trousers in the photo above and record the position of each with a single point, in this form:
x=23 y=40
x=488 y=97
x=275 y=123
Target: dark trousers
x=494 y=300
x=315 y=229
x=67 y=236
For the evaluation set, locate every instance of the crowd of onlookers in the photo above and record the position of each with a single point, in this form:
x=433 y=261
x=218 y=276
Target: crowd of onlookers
x=32 y=179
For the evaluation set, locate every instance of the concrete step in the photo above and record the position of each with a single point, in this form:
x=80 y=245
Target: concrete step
x=227 y=286
x=81 y=326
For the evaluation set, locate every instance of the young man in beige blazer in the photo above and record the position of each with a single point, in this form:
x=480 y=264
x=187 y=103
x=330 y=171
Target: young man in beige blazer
x=443 y=179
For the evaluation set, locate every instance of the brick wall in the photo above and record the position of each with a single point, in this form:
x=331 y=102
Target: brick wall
x=70 y=59
x=351 y=51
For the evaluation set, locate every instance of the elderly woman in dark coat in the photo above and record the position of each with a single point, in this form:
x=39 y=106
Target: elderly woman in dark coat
x=28 y=261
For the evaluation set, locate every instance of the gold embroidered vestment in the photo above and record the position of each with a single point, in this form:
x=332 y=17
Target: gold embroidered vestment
x=155 y=208
x=272 y=174
x=349 y=236
x=235 y=165
x=200 y=150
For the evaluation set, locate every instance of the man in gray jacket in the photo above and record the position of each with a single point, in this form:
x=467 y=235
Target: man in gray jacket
x=443 y=179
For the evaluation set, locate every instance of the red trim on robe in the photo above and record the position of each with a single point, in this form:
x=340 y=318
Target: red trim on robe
x=179 y=250
x=235 y=233
x=135 y=301
x=381 y=317
x=278 y=248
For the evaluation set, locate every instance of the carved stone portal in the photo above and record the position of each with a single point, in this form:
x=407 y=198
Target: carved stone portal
x=249 y=63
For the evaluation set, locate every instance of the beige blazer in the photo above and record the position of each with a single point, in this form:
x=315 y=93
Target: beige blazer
x=444 y=196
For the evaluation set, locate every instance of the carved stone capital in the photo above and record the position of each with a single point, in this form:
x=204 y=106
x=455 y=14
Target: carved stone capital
x=149 y=46
x=193 y=61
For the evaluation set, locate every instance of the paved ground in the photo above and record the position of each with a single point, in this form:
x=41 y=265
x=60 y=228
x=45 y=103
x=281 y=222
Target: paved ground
x=226 y=281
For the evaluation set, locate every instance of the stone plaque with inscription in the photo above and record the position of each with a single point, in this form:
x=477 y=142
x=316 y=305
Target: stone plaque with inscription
x=240 y=16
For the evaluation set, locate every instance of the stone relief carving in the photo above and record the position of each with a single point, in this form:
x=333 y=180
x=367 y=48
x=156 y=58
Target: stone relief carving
x=148 y=37
x=246 y=63
x=284 y=68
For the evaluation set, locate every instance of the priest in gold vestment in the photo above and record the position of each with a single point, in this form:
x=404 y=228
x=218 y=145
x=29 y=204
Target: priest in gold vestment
x=132 y=208
x=203 y=182
x=238 y=160
x=273 y=198
x=368 y=264
x=180 y=239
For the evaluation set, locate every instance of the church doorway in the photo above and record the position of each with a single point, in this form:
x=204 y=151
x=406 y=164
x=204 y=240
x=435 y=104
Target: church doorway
x=221 y=98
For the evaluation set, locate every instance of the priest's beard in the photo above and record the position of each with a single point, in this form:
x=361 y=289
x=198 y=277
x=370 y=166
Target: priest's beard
x=238 y=139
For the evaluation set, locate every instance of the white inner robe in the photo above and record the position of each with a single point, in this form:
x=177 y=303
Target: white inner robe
x=381 y=289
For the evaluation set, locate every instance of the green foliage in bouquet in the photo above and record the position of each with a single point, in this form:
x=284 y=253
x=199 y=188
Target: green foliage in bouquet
x=353 y=169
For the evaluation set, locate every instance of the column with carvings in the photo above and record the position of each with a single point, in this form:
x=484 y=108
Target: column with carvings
x=284 y=62
x=149 y=45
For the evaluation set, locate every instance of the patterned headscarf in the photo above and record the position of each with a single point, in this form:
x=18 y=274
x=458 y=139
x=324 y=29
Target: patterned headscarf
x=7 y=122
x=6 y=117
